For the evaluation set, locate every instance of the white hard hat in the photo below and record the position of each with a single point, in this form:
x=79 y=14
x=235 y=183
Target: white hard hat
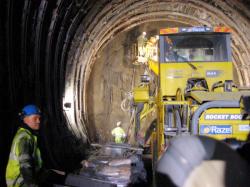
x=118 y=123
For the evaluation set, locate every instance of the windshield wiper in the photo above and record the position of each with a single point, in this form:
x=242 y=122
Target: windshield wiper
x=191 y=65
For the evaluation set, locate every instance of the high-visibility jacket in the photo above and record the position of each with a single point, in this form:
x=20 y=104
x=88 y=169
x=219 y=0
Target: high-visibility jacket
x=119 y=134
x=24 y=154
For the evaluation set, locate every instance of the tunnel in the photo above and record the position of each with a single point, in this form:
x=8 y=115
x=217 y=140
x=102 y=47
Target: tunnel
x=74 y=59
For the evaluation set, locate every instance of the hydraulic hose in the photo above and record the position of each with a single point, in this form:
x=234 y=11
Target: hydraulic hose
x=212 y=104
x=177 y=119
x=139 y=109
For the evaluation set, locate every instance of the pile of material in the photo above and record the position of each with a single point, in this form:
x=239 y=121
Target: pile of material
x=117 y=164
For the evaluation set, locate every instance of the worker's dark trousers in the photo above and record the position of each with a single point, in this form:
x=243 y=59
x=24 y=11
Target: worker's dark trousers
x=50 y=177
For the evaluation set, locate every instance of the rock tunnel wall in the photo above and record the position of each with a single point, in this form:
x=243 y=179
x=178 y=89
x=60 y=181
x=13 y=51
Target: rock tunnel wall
x=49 y=56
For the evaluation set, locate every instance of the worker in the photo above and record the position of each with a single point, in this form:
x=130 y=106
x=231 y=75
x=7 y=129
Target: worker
x=118 y=133
x=196 y=55
x=25 y=160
x=141 y=42
x=169 y=53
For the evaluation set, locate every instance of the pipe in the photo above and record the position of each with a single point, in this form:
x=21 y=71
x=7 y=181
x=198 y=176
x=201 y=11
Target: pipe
x=212 y=104
x=177 y=119
x=169 y=116
x=184 y=116
x=139 y=109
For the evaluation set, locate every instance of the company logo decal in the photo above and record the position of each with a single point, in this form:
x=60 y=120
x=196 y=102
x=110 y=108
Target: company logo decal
x=213 y=73
x=222 y=116
x=216 y=129
x=244 y=127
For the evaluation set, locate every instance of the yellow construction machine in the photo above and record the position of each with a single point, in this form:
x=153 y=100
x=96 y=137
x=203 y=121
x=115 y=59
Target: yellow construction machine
x=189 y=85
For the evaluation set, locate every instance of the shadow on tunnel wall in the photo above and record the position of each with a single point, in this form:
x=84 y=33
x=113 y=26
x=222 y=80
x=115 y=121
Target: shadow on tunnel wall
x=35 y=37
x=60 y=147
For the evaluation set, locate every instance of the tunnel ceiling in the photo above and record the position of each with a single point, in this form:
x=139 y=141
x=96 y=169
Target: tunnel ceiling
x=109 y=18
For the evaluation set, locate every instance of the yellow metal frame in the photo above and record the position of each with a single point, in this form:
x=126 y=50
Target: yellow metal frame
x=175 y=75
x=225 y=117
x=172 y=82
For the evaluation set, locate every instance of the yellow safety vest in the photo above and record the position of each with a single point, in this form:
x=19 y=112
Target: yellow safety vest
x=18 y=156
x=119 y=134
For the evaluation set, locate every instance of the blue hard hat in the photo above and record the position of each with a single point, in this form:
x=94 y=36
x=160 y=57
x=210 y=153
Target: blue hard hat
x=30 y=110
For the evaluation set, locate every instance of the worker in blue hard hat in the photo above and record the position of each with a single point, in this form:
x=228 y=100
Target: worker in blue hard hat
x=24 y=168
x=25 y=159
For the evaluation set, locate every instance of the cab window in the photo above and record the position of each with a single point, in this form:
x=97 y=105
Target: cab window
x=197 y=48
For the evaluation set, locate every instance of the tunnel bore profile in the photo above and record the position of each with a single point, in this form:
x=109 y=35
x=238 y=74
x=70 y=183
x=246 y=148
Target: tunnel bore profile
x=53 y=51
x=112 y=22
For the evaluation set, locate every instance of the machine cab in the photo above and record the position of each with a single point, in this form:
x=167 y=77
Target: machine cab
x=195 y=44
x=193 y=53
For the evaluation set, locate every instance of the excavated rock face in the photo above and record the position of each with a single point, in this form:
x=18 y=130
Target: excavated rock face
x=112 y=77
x=104 y=40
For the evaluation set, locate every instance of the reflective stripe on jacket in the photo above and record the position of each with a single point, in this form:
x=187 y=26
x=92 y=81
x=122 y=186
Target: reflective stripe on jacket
x=119 y=134
x=24 y=154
